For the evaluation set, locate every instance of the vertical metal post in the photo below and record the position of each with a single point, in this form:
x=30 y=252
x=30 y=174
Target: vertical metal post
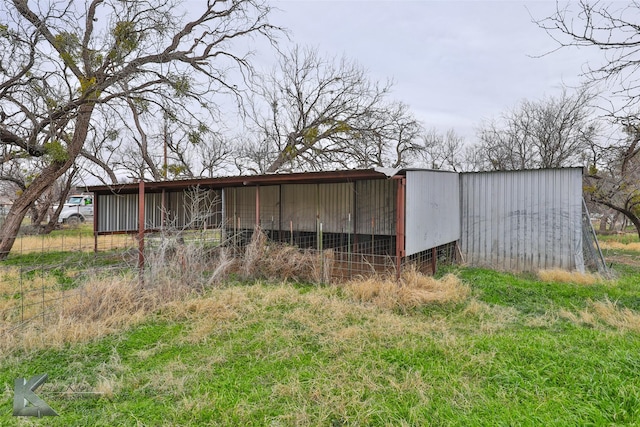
x=400 y=231
x=95 y=223
x=321 y=254
x=235 y=218
x=43 y=315
x=257 y=206
x=355 y=217
x=141 y=232
x=21 y=297
x=373 y=228
x=224 y=220
x=434 y=260
x=279 y=213
x=43 y=302
x=349 y=244
x=163 y=209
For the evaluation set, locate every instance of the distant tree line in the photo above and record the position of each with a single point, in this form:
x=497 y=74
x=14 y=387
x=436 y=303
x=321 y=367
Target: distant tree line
x=120 y=90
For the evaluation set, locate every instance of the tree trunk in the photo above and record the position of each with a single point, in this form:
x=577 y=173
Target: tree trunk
x=635 y=219
x=603 y=223
x=11 y=225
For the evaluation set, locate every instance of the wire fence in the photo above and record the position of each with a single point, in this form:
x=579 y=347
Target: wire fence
x=44 y=274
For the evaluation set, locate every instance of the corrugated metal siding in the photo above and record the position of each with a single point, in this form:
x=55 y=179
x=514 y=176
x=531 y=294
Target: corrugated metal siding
x=432 y=210
x=117 y=213
x=522 y=220
x=335 y=206
x=240 y=207
x=376 y=207
x=152 y=210
x=269 y=207
x=197 y=208
x=183 y=209
x=299 y=206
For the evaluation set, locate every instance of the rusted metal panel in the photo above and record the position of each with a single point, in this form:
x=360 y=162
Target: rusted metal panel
x=376 y=207
x=523 y=220
x=247 y=181
x=432 y=210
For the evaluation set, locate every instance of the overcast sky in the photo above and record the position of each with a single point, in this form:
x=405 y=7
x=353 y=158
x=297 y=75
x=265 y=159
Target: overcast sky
x=454 y=63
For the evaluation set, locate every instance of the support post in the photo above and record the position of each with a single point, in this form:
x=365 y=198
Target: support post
x=163 y=210
x=257 y=207
x=434 y=261
x=95 y=223
x=400 y=232
x=141 y=231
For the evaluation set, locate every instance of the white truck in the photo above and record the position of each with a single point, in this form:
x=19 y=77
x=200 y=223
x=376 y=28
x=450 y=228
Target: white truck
x=77 y=209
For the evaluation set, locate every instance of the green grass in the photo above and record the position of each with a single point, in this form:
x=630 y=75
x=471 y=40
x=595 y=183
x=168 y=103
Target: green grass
x=289 y=355
x=629 y=237
x=256 y=354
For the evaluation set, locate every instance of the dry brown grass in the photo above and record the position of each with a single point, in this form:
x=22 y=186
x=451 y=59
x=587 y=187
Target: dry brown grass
x=599 y=313
x=491 y=318
x=412 y=291
x=564 y=276
x=274 y=261
x=98 y=307
x=21 y=295
x=635 y=246
x=78 y=243
x=176 y=276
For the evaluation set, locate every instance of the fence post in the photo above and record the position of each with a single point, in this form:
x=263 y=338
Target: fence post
x=21 y=298
x=321 y=254
x=349 y=245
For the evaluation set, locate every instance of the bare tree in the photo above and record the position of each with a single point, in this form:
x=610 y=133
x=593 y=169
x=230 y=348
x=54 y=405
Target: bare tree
x=318 y=113
x=388 y=137
x=63 y=62
x=613 y=28
x=550 y=133
x=443 y=151
x=613 y=177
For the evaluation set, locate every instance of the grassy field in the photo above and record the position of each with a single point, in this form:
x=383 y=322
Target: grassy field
x=477 y=347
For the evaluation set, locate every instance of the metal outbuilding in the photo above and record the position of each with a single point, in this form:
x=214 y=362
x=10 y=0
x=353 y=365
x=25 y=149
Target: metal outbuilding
x=375 y=219
x=525 y=220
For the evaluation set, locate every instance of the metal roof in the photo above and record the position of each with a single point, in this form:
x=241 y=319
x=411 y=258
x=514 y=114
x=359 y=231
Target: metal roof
x=249 y=180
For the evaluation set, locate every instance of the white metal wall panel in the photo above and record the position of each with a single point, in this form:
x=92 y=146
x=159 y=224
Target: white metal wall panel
x=432 y=210
x=117 y=213
x=522 y=220
x=376 y=207
x=182 y=209
x=152 y=210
